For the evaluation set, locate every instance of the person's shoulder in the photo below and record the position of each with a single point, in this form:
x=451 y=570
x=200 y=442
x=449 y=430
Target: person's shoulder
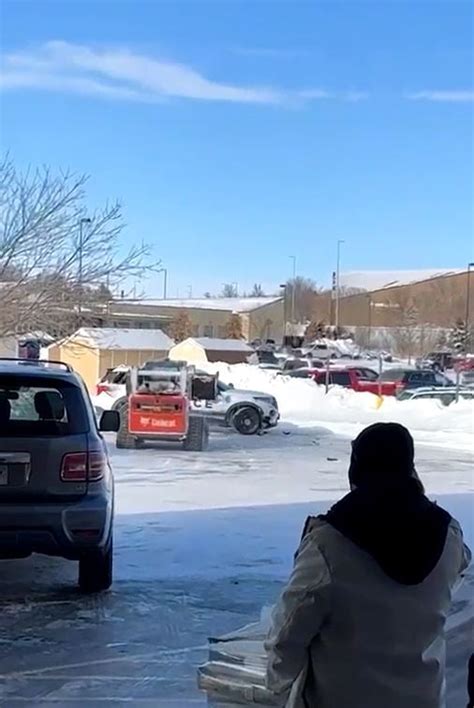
x=313 y=526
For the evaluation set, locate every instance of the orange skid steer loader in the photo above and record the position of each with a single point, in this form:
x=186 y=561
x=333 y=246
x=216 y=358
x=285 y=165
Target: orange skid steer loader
x=158 y=406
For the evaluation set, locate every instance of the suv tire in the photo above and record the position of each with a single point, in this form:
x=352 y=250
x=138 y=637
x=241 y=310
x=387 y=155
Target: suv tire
x=95 y=569
x=197 y=438
x=247 y=420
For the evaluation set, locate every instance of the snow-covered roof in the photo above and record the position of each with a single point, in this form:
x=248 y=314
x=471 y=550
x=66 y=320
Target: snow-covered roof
x=232 y=304
x=221 y=345
x=378 y=279
x=134 y=339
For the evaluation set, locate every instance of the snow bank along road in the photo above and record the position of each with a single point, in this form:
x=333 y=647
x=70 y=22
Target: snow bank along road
x=346 y=412
x=203 y=542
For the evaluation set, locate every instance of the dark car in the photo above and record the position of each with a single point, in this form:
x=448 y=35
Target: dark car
x=392 y=381
x=56 y=485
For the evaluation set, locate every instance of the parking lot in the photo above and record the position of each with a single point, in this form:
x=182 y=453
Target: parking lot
x=203 y=543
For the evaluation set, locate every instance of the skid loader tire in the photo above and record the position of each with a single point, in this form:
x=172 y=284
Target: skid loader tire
x=124 y=441
x=197 y=438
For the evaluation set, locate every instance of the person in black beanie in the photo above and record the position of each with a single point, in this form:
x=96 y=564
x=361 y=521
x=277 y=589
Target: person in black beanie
x=360 y=623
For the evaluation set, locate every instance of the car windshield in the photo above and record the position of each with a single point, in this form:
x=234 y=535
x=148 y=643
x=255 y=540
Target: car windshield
x=40 y=406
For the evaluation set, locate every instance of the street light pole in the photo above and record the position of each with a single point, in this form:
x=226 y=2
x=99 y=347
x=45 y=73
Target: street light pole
x=84 y=220
x=468 y=297
x=293 y=289
x=369 y=322
x=165 y=281
x=338 y=268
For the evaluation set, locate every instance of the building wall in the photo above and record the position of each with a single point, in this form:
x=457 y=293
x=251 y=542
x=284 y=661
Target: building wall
x=92 y=364
x=438 y=302
x=267 y=322
x=83 y=359
x=110 y=358
x=264 y=322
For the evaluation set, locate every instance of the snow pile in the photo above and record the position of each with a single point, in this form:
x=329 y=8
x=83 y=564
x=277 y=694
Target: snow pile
x=346 y=412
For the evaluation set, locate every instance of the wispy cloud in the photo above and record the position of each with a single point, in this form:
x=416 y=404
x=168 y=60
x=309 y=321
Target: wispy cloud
x=443 y=96
x=121 y=74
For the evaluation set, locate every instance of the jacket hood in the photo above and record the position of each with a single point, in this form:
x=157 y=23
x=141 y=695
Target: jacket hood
x=399 y=527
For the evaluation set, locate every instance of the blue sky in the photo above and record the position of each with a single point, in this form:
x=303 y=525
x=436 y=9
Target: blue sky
x=238 y=133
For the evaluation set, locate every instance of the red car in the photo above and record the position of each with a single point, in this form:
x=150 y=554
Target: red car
x=390 y=382
x=353 y=377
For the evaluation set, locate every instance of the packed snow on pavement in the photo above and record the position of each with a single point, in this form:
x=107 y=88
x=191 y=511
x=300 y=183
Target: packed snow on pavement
x=203 y=542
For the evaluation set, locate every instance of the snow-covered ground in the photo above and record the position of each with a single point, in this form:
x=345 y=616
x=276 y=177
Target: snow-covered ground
x=346 y=412
x=203 y=542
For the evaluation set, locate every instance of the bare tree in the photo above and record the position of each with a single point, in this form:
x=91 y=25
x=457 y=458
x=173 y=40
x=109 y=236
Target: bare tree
x=303 y=301
x=229 y=290
x=257 y=291
x=181 y=326
x=58 y=263
x=406 y=334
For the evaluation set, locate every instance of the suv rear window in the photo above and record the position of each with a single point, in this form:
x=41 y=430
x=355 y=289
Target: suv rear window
x=31 y=407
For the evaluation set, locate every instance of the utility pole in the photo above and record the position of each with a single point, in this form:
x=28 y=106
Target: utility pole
x=338 y=274
x=369 y=320
x=293 y=290
x=84 y=220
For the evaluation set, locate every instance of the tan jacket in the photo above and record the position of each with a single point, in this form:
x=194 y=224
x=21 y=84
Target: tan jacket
x=345 y=635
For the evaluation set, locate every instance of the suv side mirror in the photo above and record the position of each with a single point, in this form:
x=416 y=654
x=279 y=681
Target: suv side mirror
x=231 y=385
x=109 y=422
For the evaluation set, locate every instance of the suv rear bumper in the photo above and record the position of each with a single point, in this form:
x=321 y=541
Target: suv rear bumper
x=62 y=529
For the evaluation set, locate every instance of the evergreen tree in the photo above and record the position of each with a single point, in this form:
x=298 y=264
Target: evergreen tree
x=459 y=336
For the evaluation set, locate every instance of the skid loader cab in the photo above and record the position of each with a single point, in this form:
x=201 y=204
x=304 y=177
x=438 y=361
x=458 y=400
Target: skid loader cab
x=159 y=405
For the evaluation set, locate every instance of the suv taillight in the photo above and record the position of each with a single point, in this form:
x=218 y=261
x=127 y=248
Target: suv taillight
x=83 y=466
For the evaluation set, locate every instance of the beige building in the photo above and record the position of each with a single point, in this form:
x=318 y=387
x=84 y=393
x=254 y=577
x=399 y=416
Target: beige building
x=261 y=317
x=92 y=351
x=437 y=301
x=205 y=349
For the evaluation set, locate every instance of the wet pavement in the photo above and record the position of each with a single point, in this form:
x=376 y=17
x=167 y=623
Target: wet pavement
x=181 y=575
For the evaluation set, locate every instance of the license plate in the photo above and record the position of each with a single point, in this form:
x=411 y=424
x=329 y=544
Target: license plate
x=3 y=475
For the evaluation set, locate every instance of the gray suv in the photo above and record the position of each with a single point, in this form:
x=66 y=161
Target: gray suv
x=56 y=484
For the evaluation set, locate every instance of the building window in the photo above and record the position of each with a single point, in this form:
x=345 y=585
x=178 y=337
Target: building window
x=208 y=331
x=221 y=331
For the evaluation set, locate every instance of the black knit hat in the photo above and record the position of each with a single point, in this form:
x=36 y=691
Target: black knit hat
x=382 y=456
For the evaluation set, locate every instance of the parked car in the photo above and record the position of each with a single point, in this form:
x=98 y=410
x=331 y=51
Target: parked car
x=301 y=363
x=56 y=485
x=349 y=376
x=438 y=361
x=464 y=363
x=323 y=351
x=392 y=381
x=445 y=395
x=246 y=411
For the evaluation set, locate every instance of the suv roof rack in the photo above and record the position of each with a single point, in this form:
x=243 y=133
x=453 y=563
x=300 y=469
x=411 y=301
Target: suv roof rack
x=35 y=362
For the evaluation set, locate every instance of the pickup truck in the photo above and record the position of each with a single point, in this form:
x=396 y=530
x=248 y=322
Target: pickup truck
x=390 y=382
